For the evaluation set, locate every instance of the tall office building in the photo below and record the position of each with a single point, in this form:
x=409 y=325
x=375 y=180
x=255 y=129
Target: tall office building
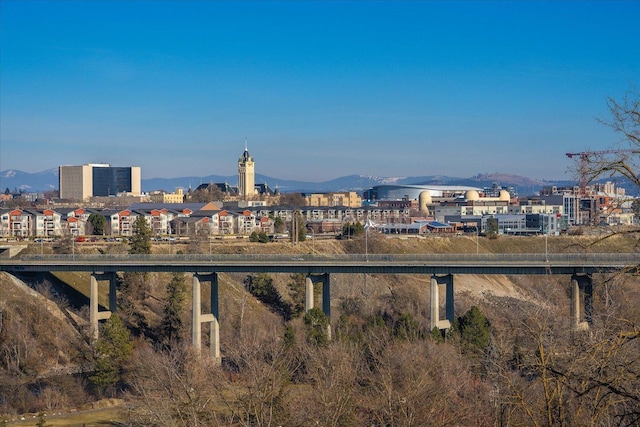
x=98 y=180
x=246 y=175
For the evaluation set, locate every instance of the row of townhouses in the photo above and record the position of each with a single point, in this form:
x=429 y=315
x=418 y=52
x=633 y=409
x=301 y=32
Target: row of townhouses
x=187 y=219
x=180 y=219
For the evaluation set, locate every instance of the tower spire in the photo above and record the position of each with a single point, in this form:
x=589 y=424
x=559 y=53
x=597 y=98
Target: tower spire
x=245 y=144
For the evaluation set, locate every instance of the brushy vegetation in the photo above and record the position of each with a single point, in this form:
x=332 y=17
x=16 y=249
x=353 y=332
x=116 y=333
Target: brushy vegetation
x=511 y=357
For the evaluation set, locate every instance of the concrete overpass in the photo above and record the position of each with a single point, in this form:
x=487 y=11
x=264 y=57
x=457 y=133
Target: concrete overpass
x=441 y=267
x=537 y=263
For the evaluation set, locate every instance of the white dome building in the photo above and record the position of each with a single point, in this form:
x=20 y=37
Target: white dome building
x=413 y=192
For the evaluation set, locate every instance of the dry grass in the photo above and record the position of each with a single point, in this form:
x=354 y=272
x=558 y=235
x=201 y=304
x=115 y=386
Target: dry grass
x=497 y=294
x=110 y=416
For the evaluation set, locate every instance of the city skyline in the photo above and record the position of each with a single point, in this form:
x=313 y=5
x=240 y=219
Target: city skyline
x=318 y=90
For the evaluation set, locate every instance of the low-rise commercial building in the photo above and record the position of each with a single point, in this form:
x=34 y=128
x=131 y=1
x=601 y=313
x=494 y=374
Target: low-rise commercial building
x=167 y=198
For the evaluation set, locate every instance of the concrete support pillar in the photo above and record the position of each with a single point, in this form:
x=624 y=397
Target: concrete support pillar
x=308 y=294
x=93 y=308
x=575 y=301
x=581 y=292
x=326 y=300
x=196 y=328
x=95 y=315
x=113 y=283
x=215 y=324
x=449 y=306
x=436 y=281
x=588 y=302
x=198 y=318
x=326 y=295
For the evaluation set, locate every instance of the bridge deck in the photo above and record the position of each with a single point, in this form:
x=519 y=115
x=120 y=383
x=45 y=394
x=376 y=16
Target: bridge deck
x=318 y=264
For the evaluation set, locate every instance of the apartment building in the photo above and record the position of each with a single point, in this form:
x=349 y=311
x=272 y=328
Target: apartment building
x=347 y=198
x=16 y=223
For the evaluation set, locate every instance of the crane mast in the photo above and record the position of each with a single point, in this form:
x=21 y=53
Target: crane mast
x=584 y=158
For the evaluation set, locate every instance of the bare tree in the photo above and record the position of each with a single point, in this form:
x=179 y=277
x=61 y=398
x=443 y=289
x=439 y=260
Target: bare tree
x=332 y=375
x=174 y=387
x=261 y=392
x=210 y=194
x=622 y=160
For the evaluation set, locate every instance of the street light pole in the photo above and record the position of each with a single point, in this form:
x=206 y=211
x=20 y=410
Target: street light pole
x=546 y=250
x=546 y=247
x=366 y=243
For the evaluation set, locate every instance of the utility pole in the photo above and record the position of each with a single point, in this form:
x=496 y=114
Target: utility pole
x=294 y=228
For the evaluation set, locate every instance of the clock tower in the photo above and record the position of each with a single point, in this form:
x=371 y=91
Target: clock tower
x=246 y=175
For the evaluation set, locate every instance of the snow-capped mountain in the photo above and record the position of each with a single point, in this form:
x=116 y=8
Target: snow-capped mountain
x=47 y=180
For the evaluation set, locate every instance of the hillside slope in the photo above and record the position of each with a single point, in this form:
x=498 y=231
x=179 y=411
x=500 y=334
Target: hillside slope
x=33 y=355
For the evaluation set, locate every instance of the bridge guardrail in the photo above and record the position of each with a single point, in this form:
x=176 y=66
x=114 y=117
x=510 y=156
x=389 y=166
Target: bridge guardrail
x=591 y=258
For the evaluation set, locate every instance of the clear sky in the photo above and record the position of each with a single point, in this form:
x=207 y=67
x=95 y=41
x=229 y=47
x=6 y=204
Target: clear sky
x=319 y=89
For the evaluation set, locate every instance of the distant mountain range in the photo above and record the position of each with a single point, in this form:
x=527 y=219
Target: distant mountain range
x=48 y=180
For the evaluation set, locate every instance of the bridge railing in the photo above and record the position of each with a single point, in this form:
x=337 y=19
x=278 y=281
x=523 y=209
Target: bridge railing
x=589 y=258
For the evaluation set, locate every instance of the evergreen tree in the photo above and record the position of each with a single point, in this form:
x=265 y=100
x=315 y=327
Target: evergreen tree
x=133 y=287
x=474 y=330
x=297 y=290
x=262 y=287
x=172 y=327
x=141 y=237
x=407 y=328
x=258 y=236
x=350 y=230
x=298 y=231
x=492 y=228
x=316 y=323
x=289 y=337
x=111 y=351
x=99 y=224
x=437 y=335
x=278 y=224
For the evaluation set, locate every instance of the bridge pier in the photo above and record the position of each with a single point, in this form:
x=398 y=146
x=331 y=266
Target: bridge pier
x=581 y=291
x=436 y=281
x=308 y=294
x=198 y=318
x=95 y=315
x=326 y=296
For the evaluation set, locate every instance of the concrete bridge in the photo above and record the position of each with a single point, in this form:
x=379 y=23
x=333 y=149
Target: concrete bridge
x=318 y=268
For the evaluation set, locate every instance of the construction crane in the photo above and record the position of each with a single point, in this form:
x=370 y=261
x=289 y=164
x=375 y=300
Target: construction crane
x=584 y=158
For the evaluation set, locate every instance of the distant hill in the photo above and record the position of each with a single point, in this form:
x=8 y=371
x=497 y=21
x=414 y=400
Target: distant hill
x=357 y=183
x=48 y=180
x=29 y=182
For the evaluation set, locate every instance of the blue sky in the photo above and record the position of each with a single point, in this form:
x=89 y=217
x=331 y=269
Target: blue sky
x=319 y=89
